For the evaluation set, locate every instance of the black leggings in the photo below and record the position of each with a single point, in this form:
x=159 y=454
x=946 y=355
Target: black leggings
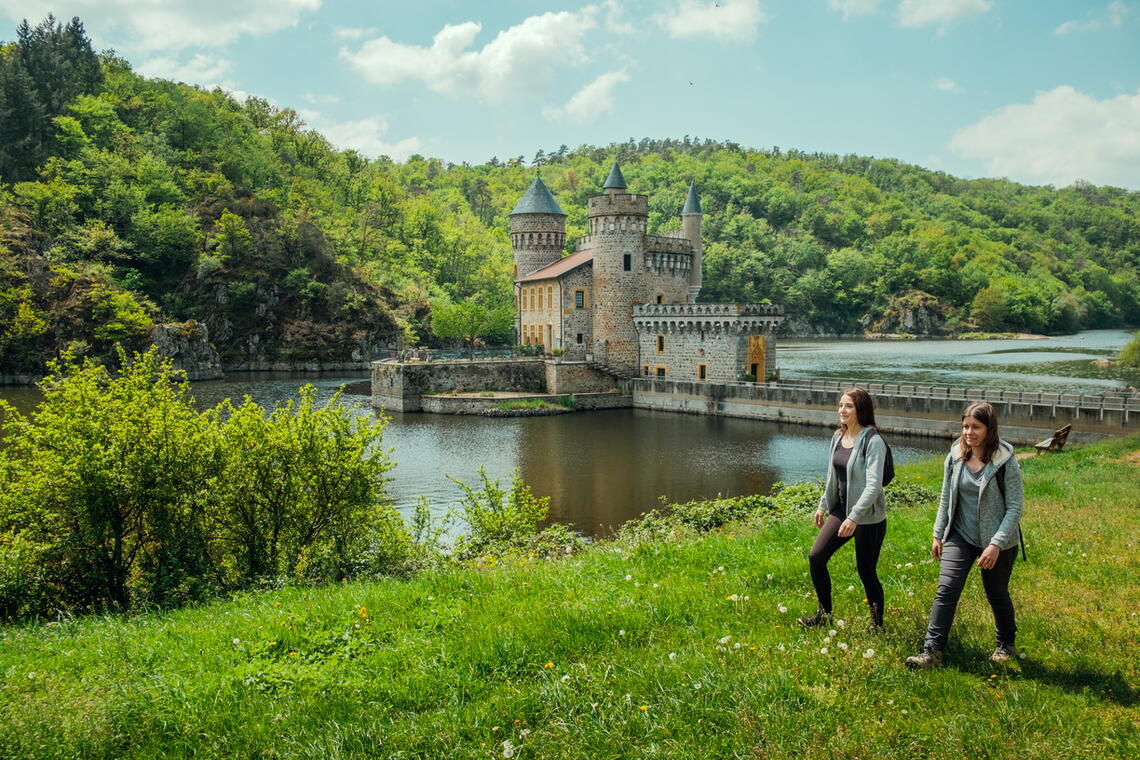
x=868 y=544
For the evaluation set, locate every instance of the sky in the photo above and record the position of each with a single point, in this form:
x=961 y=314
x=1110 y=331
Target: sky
x=1038 y=91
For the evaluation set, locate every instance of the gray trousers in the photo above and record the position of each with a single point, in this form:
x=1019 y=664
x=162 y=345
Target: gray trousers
x=957 y=558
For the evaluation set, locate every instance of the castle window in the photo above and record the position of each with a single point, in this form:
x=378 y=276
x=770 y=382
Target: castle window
x=627 y=261
x=645 y=369
x=550 y=296
x=702 y=371
x=579 y=337
x=660 y=372
x=540 y=298
x=660 y=298
x=579 y=299
x=660 y=344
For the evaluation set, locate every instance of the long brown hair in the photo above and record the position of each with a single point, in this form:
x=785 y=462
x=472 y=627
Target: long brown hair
x=985 y=414
x=864 y=407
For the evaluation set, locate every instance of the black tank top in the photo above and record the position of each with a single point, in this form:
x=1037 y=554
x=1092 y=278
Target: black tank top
x=839 y=462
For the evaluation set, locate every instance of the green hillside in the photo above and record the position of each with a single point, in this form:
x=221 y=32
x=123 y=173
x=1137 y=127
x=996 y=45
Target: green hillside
x=126 y=201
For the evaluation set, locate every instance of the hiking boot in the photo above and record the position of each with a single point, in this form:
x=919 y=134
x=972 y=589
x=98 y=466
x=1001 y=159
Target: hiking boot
x=1004 y=653
x=820 y=619
x=929 y=658
x=876 y=619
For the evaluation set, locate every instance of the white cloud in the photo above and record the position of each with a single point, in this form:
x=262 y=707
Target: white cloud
x=941 y=13
x=204 y=70
x=167 y=24
x=1062 y=136
x=946 y=84
x=366 y=136
x=353 y=32
x=320 y=99
x=591 y=101
x=1113 y=17
x=727 y=21
x=853 y=8
x=520 y=59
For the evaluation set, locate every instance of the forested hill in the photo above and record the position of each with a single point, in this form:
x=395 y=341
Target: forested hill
x=127 y=201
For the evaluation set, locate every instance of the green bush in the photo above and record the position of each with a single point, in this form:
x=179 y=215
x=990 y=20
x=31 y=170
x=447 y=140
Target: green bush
x=1130 y=354
x=116 y=494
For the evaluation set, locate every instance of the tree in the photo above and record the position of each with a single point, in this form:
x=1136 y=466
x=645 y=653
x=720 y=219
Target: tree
x=469 y=322
x=989 y=309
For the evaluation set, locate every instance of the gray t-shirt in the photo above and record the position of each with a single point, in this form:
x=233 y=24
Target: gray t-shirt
x=966 y=516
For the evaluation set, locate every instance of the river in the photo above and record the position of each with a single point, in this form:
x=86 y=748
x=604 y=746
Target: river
x=602 y=468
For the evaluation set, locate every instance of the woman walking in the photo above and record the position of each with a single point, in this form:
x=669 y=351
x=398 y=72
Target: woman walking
x=977 y=523
x=853 y=504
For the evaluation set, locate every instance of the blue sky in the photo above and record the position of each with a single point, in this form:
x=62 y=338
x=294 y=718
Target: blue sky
x=1042 y=92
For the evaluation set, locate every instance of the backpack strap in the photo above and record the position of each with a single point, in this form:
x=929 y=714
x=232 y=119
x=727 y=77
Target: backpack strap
x=1000 y=477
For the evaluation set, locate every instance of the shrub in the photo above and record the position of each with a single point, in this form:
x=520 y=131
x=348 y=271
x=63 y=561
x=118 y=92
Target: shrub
x=1130 y=354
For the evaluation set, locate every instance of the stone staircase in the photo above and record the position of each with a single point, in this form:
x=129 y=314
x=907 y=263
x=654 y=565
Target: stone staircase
x=613 y=372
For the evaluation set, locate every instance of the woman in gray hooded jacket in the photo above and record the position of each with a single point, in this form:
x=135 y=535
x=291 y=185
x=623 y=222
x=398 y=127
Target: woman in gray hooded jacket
x=977 y=523
x=852 y=505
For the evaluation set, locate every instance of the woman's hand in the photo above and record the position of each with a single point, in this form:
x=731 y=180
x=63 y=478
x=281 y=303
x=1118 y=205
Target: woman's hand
x=847 y=528
x=989 y=557
x=936 y=549
x=819 y=518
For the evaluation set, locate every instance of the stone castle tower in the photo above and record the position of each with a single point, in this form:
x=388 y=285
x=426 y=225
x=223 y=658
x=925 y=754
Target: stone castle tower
x=538 y=229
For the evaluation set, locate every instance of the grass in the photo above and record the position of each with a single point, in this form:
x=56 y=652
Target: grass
x=675 y=650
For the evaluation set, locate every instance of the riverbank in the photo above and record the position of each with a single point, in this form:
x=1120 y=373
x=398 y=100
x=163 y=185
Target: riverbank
x=682 y=649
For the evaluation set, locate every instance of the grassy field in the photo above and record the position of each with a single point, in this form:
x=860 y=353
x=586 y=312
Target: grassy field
x=686 y=649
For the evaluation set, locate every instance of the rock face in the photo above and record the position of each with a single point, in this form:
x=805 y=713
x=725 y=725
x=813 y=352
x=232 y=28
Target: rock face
x=188 y=344
x=913 y=313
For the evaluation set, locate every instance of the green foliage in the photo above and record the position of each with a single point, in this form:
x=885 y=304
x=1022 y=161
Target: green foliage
x=116 y=494
x=506 y=521
x=470 y=322
x=1130 y=354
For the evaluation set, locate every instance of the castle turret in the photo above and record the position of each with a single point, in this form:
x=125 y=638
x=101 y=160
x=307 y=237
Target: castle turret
x=618 y=221
x=691 y=216
x=538 y=229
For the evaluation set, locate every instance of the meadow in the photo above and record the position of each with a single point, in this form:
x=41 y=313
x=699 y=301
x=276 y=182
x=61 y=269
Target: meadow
x=684 y=647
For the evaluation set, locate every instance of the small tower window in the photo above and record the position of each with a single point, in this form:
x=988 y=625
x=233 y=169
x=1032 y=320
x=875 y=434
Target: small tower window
x=627 y=261
x=660 y=344
x=660 y=372
x=579 y=338
x=645 y=369
x=702 y=371
x=660 y=298
x=579 y=299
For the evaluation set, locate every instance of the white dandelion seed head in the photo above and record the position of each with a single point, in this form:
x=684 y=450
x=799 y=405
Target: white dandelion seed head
x=629 y=577
x=508 y=748
x=850 y=588
x=782 y=608
x=781 y=648
x=769 y=576
x=697 y=685
x=842 y=646
x=672 y=655
x=823 y=650
x=621 y=632
x=832 y=632
x=725 y=639
x=237 y=641
x=736 y=645
x=841 y=622
x=869 y=654
x=565 y=678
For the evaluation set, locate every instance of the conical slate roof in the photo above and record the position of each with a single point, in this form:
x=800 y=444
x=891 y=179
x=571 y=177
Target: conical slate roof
x=615 y=181
x=538 y=200
x=692 y=202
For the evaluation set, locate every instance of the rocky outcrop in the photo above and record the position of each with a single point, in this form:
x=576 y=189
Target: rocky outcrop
x=188 y=345
x=911 y=313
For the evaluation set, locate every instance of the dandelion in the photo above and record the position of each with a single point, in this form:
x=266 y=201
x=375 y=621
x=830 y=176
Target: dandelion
x=868 y=654
x=565 y=678
x=274 y=643
x=850 y=588
x=841 y=622
x=697 y=685
x=548 y=665
x=31 y=675
x=823 y=650
x=732 y=598
x=672 y=655
x=1021 y=655
x=780 y=648
x=832 y=632
x=363 y=612
x=508 y=748
x=724 y=640
x=237 y=641
x=909 y=564
x=643 y=708
x=746 y=597
x=654 y=585
x=277 y=604
x=769 y=576
x=842 y=646
x=782 y=608
x=621 y=632
x=720 y=569
x=629 y=577
x=826 y=639
x=736 y=645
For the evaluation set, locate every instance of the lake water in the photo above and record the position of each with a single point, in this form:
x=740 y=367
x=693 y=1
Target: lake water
x=602 y=468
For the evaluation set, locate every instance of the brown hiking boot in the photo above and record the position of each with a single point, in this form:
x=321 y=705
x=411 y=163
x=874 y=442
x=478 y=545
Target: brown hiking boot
x=929 y=658
x=1004 y=653
x=819 y=620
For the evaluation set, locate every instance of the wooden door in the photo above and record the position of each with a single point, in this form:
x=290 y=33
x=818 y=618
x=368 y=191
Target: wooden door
x=756 y=357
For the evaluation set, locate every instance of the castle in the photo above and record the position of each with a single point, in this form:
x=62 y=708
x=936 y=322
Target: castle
x=626 y=299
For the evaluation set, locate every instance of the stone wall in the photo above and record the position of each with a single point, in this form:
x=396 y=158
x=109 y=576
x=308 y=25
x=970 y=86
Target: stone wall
x=577 y=321
x=399 y=387
x=188 y=345
x=1020 y=423
x=577 y=377
x=583 y=402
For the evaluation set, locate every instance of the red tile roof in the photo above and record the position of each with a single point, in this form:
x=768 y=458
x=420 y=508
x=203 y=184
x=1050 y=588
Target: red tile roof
x=561 y=267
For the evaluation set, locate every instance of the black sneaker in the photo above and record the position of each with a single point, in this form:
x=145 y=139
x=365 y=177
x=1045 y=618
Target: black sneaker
x=820 y=619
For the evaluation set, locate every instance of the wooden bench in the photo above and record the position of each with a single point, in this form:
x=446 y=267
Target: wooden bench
x=1056 y=442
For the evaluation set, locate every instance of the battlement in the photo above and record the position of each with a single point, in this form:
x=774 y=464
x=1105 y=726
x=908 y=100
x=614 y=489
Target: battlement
x=619 y=204
x=668 y=244
x=735 y=318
